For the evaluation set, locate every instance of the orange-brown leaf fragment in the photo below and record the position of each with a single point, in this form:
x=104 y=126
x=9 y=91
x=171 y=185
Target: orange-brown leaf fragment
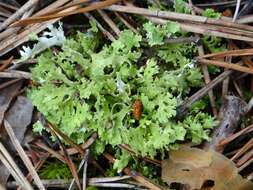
x=137 y=109
x=212 y=166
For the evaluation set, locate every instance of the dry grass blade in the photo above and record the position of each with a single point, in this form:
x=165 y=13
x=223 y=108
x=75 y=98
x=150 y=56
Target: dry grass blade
x=38 y=165
x=23 y=155
x=38 y=19
x=205 y=30
x=226 y=65
x=63 y=184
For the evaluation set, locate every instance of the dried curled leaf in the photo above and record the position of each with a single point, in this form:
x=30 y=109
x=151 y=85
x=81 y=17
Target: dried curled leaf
x=195 y=167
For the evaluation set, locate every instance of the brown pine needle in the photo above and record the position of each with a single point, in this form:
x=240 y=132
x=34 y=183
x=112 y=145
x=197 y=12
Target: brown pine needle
x=38 y=19
x=237 y=52
x=226 y=65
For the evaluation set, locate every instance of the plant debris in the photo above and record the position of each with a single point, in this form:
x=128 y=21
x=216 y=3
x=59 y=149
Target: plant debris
x=196 y=167
x=94 y=89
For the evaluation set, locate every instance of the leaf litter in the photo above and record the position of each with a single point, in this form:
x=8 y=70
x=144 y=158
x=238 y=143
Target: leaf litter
x=117 y=119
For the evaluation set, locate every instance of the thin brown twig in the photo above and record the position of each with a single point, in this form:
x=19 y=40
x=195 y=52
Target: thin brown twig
x=84 y=146
x=225 y=83
x=237 y=88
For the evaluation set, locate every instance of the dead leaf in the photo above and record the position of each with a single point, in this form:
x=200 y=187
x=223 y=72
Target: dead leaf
x=6 y=96
x=182 y=167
